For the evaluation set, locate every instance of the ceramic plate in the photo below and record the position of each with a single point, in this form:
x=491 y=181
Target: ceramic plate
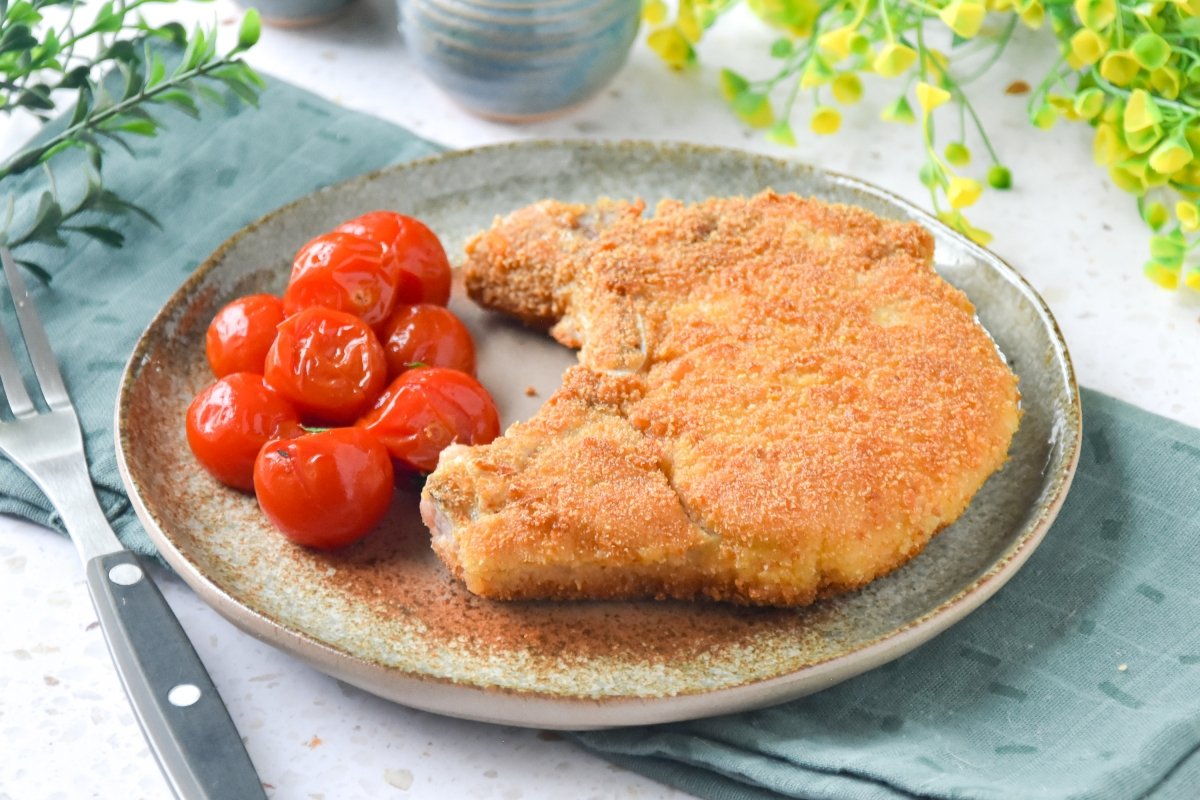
x=384 y=615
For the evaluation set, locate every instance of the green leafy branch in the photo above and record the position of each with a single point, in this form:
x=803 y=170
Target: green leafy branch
x=113 y=75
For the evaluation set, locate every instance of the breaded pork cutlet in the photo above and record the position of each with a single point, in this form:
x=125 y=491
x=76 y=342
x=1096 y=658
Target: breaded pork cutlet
x=777 y=400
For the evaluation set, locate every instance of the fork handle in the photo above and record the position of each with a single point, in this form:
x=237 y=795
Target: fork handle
x=195 y=742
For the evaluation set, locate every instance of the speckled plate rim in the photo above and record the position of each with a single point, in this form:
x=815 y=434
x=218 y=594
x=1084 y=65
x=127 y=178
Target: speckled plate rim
x=543 y=710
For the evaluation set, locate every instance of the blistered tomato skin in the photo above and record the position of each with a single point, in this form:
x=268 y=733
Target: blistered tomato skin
x=326 y=489
x=419 y=254
x=345 y=272
x=425 y=410
x=241 y=333
x=427 y=334
x=230 y=421
x=328 y=363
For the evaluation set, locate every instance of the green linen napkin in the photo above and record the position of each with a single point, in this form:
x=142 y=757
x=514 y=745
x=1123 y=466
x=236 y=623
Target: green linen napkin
x=1027 y=698
x=1079 y=679
x=202 y=180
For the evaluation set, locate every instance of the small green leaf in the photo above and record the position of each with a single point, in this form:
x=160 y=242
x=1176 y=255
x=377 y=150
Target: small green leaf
x=106 y=20
x=95 y=154
x=1168 y=249
x=209 y=50
x=126 y=124
x=238 y=86
x=158 y=69
x=754 y=109
x=121 y=51
x=58 y=148
x=22 y=13
x=179 y=99
x=106 y=236
x=83 y=106
x=732 y=84
x=115 y=137
x=37 y=270
x=188 y=60
x=17 y=39
x=49 y=44
x=251 y=77
x=75 y=78
x=781 y=47
x=209 y=93
x=46 y=222
x=110 y=202
x=172 y=32
x=133 y=82
x=781 y=133
x=35 y=98
x=250 y=30
x=1153 y=214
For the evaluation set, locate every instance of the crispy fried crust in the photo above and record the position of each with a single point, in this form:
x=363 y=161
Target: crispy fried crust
x=777 y=400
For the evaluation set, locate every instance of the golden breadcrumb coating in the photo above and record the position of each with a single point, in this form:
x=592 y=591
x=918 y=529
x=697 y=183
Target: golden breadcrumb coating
x=777 y=399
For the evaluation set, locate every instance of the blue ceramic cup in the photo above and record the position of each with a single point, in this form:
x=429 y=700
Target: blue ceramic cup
x=519 y=59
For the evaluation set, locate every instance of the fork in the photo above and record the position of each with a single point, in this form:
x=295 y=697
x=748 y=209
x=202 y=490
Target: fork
x=180 y=712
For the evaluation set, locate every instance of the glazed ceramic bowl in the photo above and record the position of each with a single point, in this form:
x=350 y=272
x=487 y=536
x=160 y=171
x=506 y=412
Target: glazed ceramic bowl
x=519 y=59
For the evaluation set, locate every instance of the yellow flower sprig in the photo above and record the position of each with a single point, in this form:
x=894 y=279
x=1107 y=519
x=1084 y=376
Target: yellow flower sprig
x=1129 y=68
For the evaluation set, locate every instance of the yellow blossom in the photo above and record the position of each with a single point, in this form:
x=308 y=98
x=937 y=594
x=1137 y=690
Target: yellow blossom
x=825 y=120
x=654 y=12
x=837 y=42
x=1164 y=276
x=1096 y=14
x=963 y=192
x=671 y=46
x=1170 y=156
x=1119 y=67
x=1088 y=46
x=894 y=59
x=930 y=97
x=847 y=88
x=1189 y=216
x=964 y=17
x=685 y=19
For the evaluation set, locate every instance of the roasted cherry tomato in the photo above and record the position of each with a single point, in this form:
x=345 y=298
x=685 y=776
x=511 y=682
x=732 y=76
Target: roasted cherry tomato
x=328 y=363
x=427 y=409
x=230 y=421
x=241 y=334
x=427 y=334
x=345 y=272
x=325 y=489
x=420 y=255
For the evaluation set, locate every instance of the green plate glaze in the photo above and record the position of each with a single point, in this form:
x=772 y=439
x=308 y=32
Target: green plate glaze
x=384 y=615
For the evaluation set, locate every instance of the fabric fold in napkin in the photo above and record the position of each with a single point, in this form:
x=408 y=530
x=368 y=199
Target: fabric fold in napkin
x=202 y=180
x=1080 y=679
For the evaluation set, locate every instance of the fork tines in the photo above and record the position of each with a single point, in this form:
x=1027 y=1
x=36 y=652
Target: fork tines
x=45 y=366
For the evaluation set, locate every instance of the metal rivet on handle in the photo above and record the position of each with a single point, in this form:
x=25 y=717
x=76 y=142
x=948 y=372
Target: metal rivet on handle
x=125 y=574
x=185 y=694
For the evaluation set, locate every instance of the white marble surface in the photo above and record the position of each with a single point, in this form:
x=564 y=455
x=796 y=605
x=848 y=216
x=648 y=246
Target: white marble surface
x=65 y=728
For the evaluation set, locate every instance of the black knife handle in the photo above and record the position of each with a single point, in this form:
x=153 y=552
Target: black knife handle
x=183 y=718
